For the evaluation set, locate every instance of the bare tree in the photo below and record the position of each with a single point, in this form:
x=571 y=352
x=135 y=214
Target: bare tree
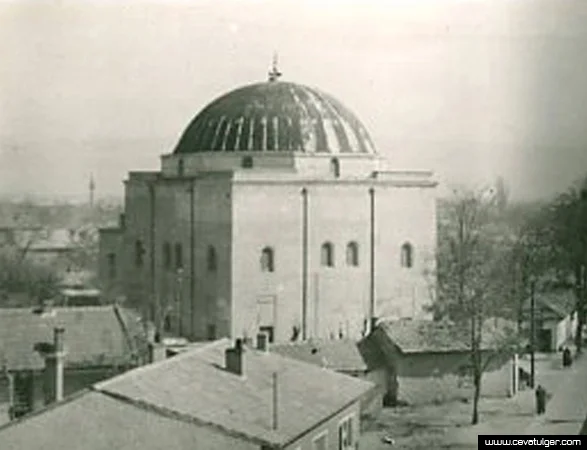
x=567 y=227
x=471 y=267
x=24 y=276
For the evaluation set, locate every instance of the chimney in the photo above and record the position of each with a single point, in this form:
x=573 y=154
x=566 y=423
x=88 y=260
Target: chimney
x=54 y=362
x=262 y=342
x=235 y=358
x=157 y=352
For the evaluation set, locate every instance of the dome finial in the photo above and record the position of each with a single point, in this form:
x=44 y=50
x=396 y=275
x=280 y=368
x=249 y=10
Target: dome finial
x=274 y=73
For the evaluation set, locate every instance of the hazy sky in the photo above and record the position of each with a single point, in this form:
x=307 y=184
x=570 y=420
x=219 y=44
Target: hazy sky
x=471 y=89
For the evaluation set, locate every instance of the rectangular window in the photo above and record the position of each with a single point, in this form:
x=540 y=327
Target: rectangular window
x=111 y=266
x=320 y=442
x=167 y=255
x=211 y=332
x=345 y=434
x=178 y=256
x=139 y=254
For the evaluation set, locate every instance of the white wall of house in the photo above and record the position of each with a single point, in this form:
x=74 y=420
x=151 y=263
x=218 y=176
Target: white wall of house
x=562 y=331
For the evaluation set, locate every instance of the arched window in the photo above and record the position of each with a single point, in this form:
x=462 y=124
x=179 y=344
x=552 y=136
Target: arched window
x=167 y=256
x=180 y=168
x=267 y=260
x=178 y=256
x=335 y=167
x=211 y=260
x=327 y=254
x=139 y=253
x=407 y=255
x=352 y=254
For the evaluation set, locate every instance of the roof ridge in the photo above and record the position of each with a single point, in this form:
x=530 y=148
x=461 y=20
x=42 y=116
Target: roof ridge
x=103 y=385
x=125 y=331
x=171 y=414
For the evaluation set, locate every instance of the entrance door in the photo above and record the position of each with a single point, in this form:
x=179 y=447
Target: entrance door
x=544 y=340
x=266 y=315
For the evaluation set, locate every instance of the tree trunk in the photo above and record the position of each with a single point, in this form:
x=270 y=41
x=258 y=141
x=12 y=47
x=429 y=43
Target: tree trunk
x=475 y=359
x=580 y=306
x=476 y=395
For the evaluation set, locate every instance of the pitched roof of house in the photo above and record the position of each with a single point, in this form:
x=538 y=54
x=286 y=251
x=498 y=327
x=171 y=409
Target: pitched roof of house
x=94 y=421
x=45 y=240
x=425 y=336
x=94 y=336
x=560 y=302
x=417 y=336
x=196 y=385
x=342 y=355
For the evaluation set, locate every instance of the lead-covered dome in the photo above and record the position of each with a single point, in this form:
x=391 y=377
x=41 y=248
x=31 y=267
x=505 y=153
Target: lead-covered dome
x=276 y=117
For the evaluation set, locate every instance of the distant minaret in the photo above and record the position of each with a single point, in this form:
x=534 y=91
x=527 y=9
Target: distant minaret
x=92 y=189
x=274 y=73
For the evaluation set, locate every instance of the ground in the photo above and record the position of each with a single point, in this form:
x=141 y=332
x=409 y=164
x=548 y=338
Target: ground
x=448 y=425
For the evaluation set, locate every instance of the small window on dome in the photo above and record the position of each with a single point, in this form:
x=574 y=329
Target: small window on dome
x=335 y=167
x=247 y=162
x=180 y=168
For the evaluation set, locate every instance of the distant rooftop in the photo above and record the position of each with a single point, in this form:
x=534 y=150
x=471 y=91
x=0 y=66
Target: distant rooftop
x=342 y=355
x=422 y=336
x=560 y=302
x=94 y=336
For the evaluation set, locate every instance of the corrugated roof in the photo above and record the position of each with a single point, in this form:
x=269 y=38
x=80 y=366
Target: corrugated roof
x=195 y=384
x=94 y=421
x=94 y=336
x=341 y=355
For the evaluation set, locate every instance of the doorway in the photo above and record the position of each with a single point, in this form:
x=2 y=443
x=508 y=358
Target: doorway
x=544 y=343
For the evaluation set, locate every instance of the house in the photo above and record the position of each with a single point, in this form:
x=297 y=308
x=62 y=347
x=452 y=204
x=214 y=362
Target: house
x=99 y=342
x=427 y=362
x=555 y=319
x=216 y=396
x=345 y=356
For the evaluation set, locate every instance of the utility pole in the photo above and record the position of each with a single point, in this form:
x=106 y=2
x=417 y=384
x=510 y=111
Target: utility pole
x=532 y=334
x=179 y=300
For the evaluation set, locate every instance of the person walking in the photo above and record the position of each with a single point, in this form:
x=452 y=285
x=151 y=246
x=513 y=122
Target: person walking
x=540 y=400
x=567 y=357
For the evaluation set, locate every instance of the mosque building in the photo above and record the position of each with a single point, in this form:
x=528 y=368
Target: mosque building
x=274 y=213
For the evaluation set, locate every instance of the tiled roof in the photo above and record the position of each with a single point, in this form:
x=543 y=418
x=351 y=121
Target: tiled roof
x=94 y=421
x=560 y=302
x=342 y=355
x=94 y=336
x=423 y=336
x=195 y=384
x=419 y=336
